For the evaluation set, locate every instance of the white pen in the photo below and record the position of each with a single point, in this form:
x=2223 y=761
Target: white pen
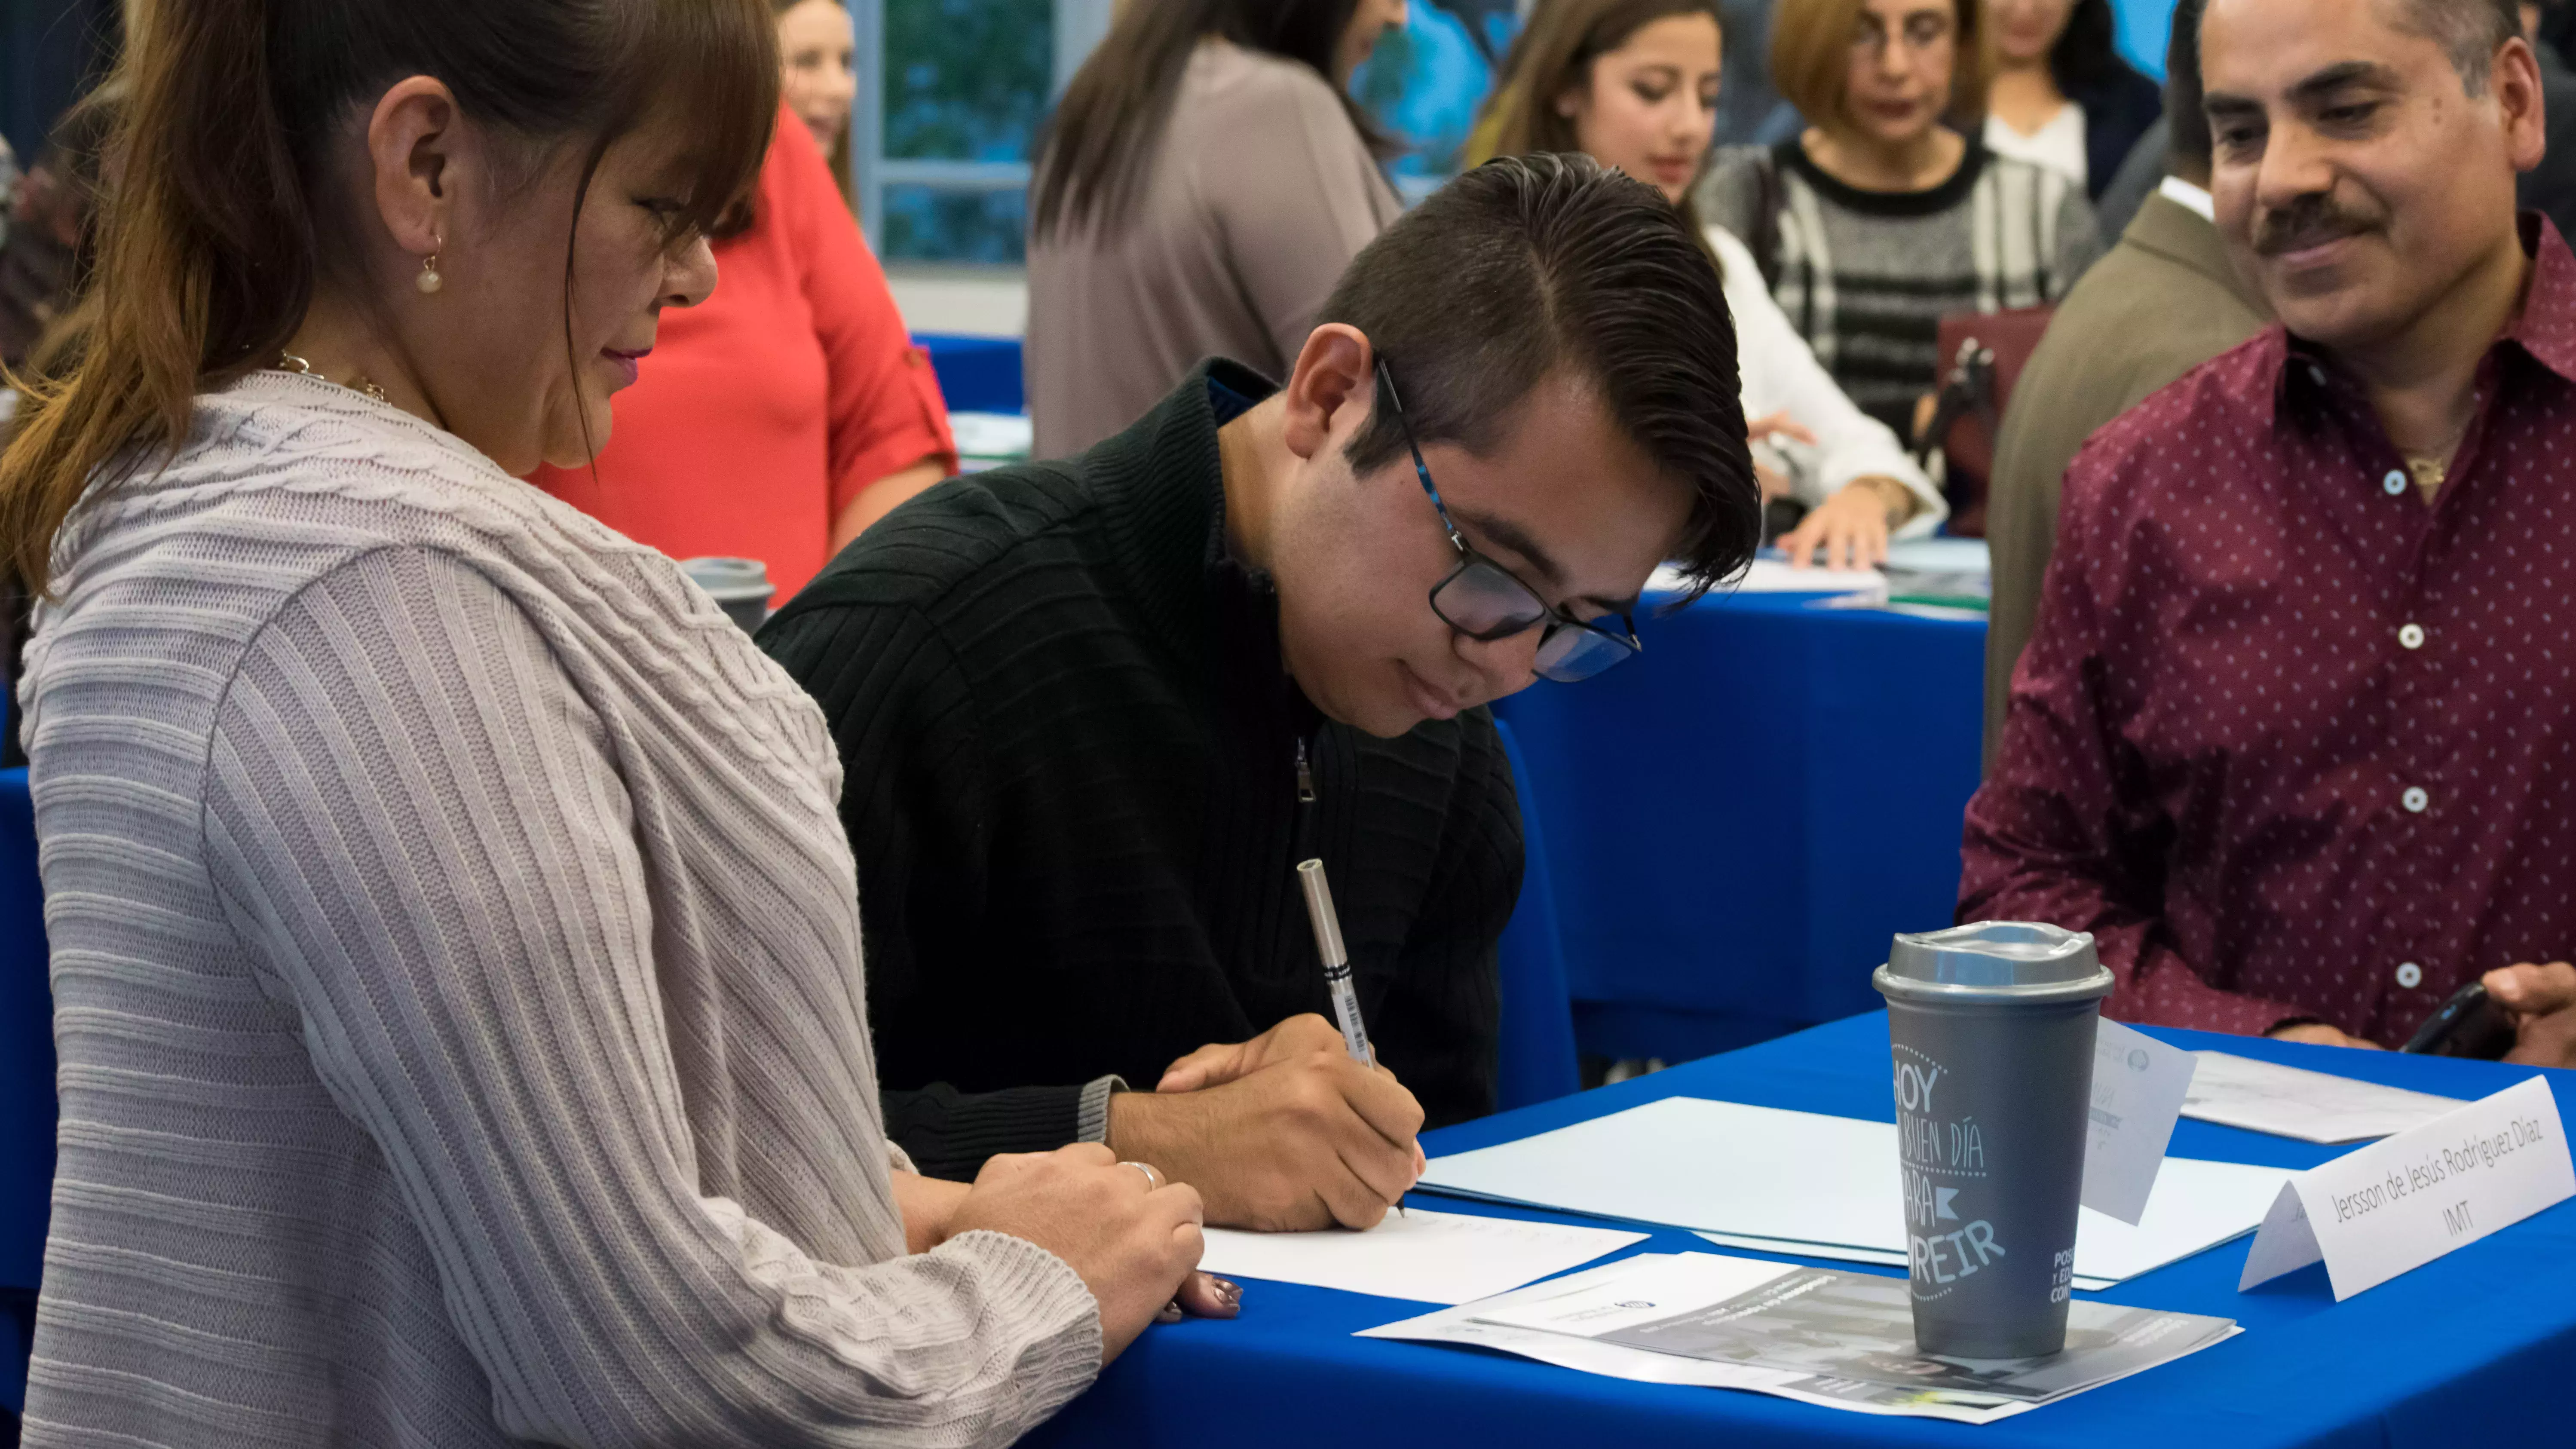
x=1337 y=967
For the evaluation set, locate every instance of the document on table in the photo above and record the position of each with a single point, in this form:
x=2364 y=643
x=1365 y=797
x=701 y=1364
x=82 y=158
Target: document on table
x=2139 y=1085
x=1814 y=1185
x=2263 y=1096
x=1841 y=1340
x=1776 y=576
x=1426 y=1256
x=1843 y=1254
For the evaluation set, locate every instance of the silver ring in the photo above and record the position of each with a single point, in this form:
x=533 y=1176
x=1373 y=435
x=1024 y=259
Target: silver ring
x=1153 y=1179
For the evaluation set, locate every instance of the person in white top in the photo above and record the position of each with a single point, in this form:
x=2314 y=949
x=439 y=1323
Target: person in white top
x=2061 y=97
x=1634 y=83
x=455 y=947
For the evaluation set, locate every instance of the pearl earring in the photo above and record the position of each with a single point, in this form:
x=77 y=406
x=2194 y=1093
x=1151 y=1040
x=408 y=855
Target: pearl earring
x=429 y=280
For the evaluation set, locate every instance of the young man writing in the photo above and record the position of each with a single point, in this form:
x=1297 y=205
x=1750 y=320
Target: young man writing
x=2296 y=737
x=1093 y=713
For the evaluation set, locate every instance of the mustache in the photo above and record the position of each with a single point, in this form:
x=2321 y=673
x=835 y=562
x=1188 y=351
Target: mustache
x=2312 y=220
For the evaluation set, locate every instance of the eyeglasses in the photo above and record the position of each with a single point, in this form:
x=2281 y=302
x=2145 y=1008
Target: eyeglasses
x=1486 y=601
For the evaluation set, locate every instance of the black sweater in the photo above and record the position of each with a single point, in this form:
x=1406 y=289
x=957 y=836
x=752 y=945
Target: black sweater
x=1069 y=749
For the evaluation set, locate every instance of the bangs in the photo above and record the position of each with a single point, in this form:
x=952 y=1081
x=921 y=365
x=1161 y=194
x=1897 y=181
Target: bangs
x=707 y=70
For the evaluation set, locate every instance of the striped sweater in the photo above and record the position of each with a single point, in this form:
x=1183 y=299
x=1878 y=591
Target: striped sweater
x=1867 y=276
x=457 y=988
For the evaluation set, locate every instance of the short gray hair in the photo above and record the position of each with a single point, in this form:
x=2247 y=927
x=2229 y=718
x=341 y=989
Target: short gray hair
x=2467 y=30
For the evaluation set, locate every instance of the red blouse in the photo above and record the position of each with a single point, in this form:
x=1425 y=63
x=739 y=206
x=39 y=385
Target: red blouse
x=765 y=410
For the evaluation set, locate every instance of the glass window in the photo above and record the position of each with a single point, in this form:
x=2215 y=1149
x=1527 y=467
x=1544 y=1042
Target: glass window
x=966 y=80
x=967 y=83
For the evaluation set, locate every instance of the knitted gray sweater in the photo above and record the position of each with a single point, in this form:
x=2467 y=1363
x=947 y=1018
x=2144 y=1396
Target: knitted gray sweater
x=456 y=977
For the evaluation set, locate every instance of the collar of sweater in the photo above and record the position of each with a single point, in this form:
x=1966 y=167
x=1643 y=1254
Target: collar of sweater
x=1161 y=487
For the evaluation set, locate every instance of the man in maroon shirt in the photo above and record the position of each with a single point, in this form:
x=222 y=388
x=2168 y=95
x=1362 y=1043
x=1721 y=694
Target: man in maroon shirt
x=2296 y=737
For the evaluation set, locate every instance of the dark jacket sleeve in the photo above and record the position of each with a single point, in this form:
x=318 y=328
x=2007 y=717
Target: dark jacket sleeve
x=914 y=802
x=2118 y=107
x=1445 y=1003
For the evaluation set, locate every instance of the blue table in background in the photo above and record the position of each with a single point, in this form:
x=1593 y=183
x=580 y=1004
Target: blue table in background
x=976 y=374
x=1739 y=818
x=2471 y=1350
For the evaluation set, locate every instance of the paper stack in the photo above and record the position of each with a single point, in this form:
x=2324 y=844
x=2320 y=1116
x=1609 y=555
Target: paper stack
x=1841 y=1340
x=1808 y=1185
x=2263 y=1096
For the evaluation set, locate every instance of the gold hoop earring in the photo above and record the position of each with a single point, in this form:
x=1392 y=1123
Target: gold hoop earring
x=429 y=280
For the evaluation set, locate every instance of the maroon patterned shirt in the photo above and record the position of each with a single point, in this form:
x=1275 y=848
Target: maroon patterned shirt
x=2291 y=741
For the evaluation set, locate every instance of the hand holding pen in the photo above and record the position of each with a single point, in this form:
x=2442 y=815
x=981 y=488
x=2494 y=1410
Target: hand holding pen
x=1290 y=1130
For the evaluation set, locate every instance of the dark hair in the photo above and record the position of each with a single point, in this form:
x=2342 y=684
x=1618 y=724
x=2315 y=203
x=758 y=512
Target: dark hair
x=1533 y=265
x=2467 y=30
x=1094 y=149
x=2087 y=52
x=2186 y=122
x=212 y=241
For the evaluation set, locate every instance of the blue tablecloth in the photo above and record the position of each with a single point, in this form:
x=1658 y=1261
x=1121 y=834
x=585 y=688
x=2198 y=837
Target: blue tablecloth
x=976 y=374
x=1740 y=818
x=2466 y=1351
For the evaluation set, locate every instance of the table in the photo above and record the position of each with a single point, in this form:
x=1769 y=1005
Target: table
x=1740 y=818
x=976 y=374
x=2472 y=1349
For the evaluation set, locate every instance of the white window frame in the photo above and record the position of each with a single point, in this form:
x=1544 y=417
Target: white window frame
x=1079 y=25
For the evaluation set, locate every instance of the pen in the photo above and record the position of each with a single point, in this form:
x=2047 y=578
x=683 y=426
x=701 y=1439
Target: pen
x=1337 y=967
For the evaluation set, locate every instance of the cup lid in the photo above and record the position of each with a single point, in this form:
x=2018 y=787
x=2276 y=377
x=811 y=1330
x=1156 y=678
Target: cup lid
x=712 y=573
x=2019 y=959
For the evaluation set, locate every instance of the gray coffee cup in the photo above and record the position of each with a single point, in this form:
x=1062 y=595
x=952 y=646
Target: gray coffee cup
x=740 y=586
x=1990 y=1028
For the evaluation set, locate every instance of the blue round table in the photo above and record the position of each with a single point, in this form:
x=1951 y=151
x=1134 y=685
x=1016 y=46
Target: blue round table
x=1739 y=818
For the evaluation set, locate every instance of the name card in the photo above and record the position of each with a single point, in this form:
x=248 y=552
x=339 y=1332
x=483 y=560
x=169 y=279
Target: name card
x=2138 y=1088
x=2403 y=1201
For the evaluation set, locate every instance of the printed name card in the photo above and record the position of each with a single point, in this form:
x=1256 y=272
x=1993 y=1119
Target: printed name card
x=2138 y=1088
x=2406 y=1200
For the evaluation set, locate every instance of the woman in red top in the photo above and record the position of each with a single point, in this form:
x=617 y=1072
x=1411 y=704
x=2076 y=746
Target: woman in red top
x=786 y=413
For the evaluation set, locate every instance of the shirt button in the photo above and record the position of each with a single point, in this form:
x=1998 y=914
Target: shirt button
x=2415 y=799
x=2394 y=483
x=2410 y=975
x=2411 y=636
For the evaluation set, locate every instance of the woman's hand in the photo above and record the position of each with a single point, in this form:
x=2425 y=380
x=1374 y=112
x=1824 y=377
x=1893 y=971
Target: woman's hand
x=1779 y=424
x=1852 y=526
x=1134 y=1239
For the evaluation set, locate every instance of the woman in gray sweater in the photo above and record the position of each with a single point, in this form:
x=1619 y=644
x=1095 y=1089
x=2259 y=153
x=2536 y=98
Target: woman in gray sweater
x=456 y=954
x=1199 y=190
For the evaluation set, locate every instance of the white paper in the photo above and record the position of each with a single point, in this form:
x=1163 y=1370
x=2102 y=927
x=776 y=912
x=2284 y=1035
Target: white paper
x=2262 y=1096
x=1426 y=1256
x=1635 y=1287
x=1841 y=1254
x=2138 y=1088
x=2398 y=1204
x=991 y=435
x=1776 y=576
x=1826 y=1182
x=1940 y=556
x=1610 y=1360
x=1608 y=1304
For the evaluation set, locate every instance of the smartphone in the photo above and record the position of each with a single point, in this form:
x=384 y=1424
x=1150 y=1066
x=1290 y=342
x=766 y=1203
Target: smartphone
x=2470 y=1024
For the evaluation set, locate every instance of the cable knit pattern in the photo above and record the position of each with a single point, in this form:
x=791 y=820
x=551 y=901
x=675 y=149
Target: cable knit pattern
x=455 y=964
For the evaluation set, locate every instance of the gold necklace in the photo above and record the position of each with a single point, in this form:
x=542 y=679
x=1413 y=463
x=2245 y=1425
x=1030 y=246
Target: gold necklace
x=2431 y=468
x=289 y=362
